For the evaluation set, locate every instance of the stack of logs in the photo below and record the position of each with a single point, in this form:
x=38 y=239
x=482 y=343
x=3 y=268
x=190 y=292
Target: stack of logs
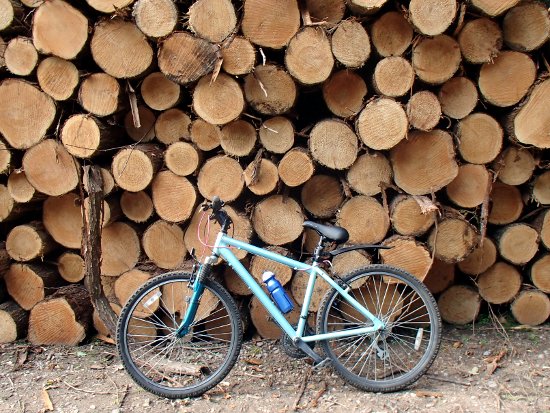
x=422 y=125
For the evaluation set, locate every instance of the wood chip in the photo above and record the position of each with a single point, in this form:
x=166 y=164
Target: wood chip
x=427 y=393
x=48 y=406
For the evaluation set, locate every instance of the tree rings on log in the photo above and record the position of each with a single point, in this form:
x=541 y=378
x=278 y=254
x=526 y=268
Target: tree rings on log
x=425 y=162
x=299 y=285
x=5 y=158
x=114 y=38
x=518 y=243
x=62 y=217
x=120 y=248
x=344 y=264
x=278 y=220
x=459 y=304
x=526 y=27
x=440 y=276
x=296 y=167
x=369 y=173
x=541 y=189
x=531 y=307
x=453 y=239
x=435 y=60
x=239 y=57
x=136 y=206
x=155 y=18
x=542 y=224
x=221 y=176
x=408 y=254
x=233 y=281
x=382 y=124
x=329 y=11
x=13 y=321
x=365 y=219
x=507 y=79
x=29 y=241
x=184 y=58
x=482 y=257
x=261 y=177
x=182 y=158
x=82 y=136
x=57 y=77
x=480 y=138
x=21 y=189
x=238 y=138
x=493 y=8
x=27 y=113
x=220 y=101
x=60 y=29
x=163 y=243
x=470 y=186
x=480 y=40
x=365 y=6
x=351 y=44
x=458 y=97
x=213 y=20
x=499 y=284
x=344 y=93
x=159 y=92
x=322 y=148
x=322 y=195
x=270 y=90
x=108 y=6
x=540 y=273
x=20 y=56
x=174 y=197
x=506 y=204
x=174 y=125
x=515 y=166
x=408 y=217
x=391 y=34
x=424 y=110
x=393 y=76
x=432 y=17
x=71 y=267
x=134 y=168
x=277 y=134
x=99 y=94
x=270 y=23
x=259 y=265
x=265 y=326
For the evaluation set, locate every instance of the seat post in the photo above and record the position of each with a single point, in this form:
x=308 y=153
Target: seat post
x=318 y=249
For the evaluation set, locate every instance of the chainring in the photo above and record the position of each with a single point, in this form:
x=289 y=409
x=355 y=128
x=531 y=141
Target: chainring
x=290 y=348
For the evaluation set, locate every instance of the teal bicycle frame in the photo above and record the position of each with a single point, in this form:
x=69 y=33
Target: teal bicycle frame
x=221 y=248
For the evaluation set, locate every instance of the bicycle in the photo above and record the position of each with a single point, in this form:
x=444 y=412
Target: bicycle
x=180 y=333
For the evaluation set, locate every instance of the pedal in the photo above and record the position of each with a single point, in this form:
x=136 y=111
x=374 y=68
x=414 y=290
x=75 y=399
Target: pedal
x=321 y=364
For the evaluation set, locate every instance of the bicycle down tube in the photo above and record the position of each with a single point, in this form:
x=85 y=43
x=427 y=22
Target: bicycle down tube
x=221 y=248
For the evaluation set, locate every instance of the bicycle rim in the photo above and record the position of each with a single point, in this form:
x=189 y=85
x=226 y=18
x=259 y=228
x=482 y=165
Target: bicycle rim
x=398 y=355
x=159 y=360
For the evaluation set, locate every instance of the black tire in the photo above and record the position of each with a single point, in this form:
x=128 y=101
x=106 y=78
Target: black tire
x=173 y=367
x=395 y=357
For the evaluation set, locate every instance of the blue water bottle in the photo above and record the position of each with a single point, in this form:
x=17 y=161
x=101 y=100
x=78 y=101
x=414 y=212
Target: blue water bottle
x=277 y=292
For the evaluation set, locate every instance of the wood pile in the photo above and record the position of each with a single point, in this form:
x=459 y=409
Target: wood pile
x=422 y=125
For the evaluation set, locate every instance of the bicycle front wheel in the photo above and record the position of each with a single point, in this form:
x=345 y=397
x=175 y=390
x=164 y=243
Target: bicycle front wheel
x=396 y=356
x=171 y=366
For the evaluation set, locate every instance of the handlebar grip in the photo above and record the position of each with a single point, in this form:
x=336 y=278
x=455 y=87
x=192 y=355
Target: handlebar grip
x=217 y=203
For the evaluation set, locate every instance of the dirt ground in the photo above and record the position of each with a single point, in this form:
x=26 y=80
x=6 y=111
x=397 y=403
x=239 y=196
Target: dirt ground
x=481 y=369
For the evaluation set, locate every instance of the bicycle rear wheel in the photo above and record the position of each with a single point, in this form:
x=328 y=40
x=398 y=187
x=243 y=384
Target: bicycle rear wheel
x=396 y=356
x=165 y=364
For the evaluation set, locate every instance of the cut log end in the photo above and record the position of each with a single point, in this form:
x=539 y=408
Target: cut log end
x=459 y=304
x=499 y=284
x=531 y=307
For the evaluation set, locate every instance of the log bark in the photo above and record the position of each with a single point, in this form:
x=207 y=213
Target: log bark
x=453 y=239
x=408 y=217
x=507 y=79
x=515 y=165
x=182 y=158
x=50 y=168
x=113 y=38
x=163 y=243
x=481 y=259
x=84 y=136
x=62 y=217
x=20 y=56
x=469 y=188
x=382 y=124
x=239 y=56
x=4 y=259
x=542 y=224
x=259 y=265
x=27 y=113
x=108 y=182
x=5 y=157
x=365 y=219
x=435 y=60
x=408 y=254
x=425 y=162
x=28 y=284
x=71 y=267
x=506 y=204
x=440 y=276
x=228 y=186
x=322 y=195
x=159 y=92
x=59 y=29
x=64 y=318
x=29 y=241
x=57 y=77
x=480 y=138
x=459 y=304
x=424 y=110
x=541 y=191
x=13 y=322
x=531 y=307
x=323 y=150
x=220 y=101
x=499 y=284
x=134 y=168
x=351 y=44
x=278 y=220
x=370 y=173
x=539 y=273
x=174 y=125
x=344 y=93
x=526 y=27
x=391 y=34
x=238 y=138
x=261 y=176
x=277 y=134
x=432 y=17
x=155 y=18
x=296 y=167
x=270 y=90
x=517 y=243
x=120 y=248
x=99 y=94
x=270 y=23
x=136 y=206
x=458 y=97
x=480 y=40
x=213 y=20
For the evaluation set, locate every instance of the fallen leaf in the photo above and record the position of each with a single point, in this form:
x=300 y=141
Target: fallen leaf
x=48 y=406
x=457 y=344
x=22 y=356
x=254 y=361
x=496 y=358
x=491 y=367
x=427 y=393
x=106 y=339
